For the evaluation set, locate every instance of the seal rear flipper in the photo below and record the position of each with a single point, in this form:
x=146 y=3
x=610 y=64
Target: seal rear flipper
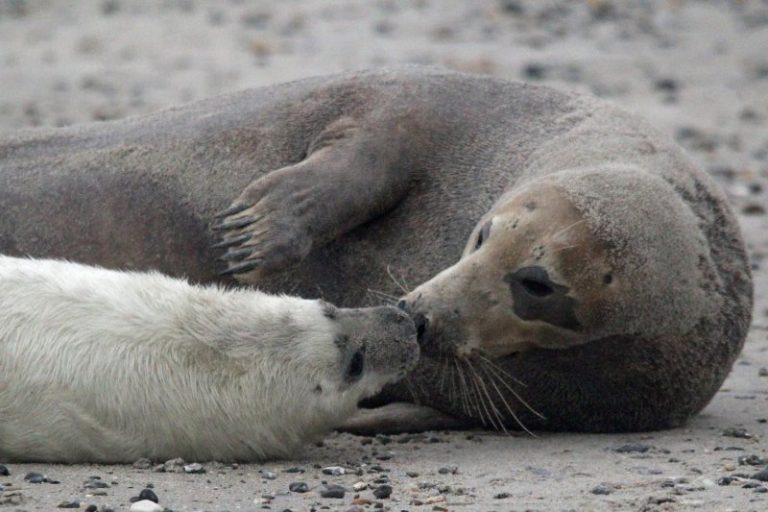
x=400 y=417
x=351 y=174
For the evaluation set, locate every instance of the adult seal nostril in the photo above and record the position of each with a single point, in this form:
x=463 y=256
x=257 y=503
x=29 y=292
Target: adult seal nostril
x=421 y=322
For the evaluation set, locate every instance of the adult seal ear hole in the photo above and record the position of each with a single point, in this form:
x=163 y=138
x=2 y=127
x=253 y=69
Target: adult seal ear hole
x=186 y=371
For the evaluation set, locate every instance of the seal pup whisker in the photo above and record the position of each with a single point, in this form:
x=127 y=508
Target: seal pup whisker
x=402 y=287
x=390 y=299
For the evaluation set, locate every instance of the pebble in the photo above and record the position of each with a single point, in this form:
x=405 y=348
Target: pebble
x=39 y=478
x=751 y=460
x=142 y=464
x=603 y=489
x=501 y=496
x=4 y=471
x=452 y=470
x=333 y=471
x=740 y=433
x=69 y=504
x=174 y=465
x=148 y=494
x=268 y=475
x=91 y=508
x=762 y=476
x=762 y=372
x=411 y=474
x=359 y=486
x=298 y=487
x=194 y=469
x=146 y=506
x=632 y=448
x=333 y=491
x=95 y=483
x=383 y=492
x=725 y=480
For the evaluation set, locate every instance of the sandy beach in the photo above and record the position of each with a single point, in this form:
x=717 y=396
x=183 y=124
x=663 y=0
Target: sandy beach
x=698 y=70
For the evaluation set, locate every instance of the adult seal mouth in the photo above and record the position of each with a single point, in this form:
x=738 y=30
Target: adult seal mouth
x=560 y=240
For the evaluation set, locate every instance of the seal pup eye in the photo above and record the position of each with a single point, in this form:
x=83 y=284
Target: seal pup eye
x=484 y=234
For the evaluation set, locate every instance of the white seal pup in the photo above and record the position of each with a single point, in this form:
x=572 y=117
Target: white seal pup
x=105 y=366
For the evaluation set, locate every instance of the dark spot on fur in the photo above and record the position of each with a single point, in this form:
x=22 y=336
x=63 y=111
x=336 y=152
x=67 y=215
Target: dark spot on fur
x=318 y=389
x=537 y=297
x=341 y=340
x=530 y=206
x=608 y=278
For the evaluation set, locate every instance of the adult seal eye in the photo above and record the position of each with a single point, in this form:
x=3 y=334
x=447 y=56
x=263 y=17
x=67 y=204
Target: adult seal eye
x=485 y=232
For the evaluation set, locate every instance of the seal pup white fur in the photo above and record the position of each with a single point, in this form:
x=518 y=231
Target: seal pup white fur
x=106 y=366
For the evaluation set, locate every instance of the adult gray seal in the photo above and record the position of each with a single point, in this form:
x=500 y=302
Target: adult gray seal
x=573 y=261
x=104 y=366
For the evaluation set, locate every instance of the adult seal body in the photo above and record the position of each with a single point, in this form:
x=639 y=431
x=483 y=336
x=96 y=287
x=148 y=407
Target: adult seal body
x=567 y=259
x=104 y=366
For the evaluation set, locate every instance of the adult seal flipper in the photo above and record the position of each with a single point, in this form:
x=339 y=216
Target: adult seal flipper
x=351 y=174
x=557 y=254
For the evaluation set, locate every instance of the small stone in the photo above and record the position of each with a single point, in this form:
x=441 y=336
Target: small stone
x=448 y=470
x=762 y=489
x=751 y=460
x=4 y=471
x=35 y=478
x=435 y=499
x=740 y=433
x=762 y=372
x=268 y=475
x=359 y=486
x=91 y=508
x=148 y=494
x=411 y=474
x=632 y=448
x=355 y=508
x=761 y=476
x=333 y=471
x=603 y=489
x=729 y=467
x=333 y=491
x=361 y=501
x=294 y=470
x=300 y=487
x=146 y=506
x=382 y=492
x=751 y=485
x=501 y=496
x=142 y=464
x=725 y=480
x=95 y=484
x=194 y=469
x=174 y=465
x=69 y=504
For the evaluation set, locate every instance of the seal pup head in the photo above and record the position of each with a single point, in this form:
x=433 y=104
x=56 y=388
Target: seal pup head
x=343 y=355
x=561 y=260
